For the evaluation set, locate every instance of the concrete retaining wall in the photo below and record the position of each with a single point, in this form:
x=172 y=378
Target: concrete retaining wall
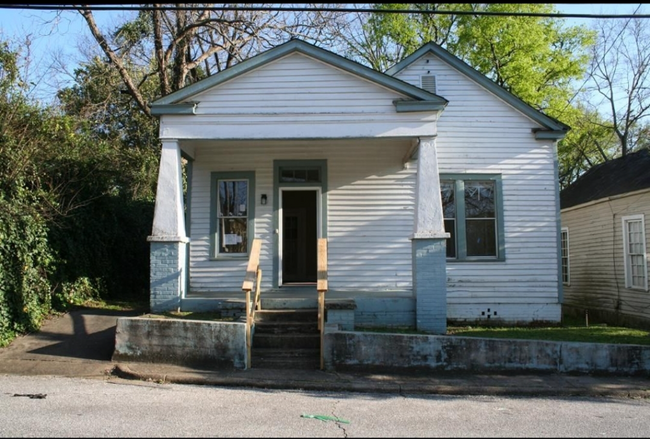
x=358 y=350
x=193 y=343
x=218 y=345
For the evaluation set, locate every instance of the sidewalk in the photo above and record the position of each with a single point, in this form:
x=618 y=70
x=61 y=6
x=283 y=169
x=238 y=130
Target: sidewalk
x=80 y=344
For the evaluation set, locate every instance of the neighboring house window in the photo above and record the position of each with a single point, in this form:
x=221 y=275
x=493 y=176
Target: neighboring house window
x=636 y=264
x=565 y=255
x=233 y=213
x=472 y=206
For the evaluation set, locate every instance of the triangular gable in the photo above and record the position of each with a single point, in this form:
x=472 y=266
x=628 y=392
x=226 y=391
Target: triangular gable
x=554 y=128
x=179 y=102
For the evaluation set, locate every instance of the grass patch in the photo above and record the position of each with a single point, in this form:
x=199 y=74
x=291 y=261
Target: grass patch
x=115 y=305
x=571 y=330
x=588 y=334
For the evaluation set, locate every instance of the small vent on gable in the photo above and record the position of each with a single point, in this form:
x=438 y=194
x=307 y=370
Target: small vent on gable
x=428 y=83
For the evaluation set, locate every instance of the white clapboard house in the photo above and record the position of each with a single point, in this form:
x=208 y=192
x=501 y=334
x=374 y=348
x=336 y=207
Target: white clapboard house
x=605 y=242
x=435 y=190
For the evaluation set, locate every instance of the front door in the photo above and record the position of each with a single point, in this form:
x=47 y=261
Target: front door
x=299 y=236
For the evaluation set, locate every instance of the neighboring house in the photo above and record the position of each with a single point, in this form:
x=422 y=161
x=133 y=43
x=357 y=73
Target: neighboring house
x=605 y=236
x=435 y=188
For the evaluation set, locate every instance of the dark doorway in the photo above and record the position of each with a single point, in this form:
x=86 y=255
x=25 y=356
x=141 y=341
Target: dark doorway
x=299 y=222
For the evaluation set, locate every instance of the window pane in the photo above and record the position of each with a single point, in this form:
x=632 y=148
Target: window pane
x=232 y=235
x=479 y=199
x=299 y=175
x=481 y=237
x=448 y=199
x=565 y=257
x=233 y=198
x=450 y=227
x=313 y=176
x=286 y=176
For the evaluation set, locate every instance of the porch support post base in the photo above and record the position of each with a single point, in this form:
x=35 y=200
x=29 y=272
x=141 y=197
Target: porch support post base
x=430 y=284
x=167 y=274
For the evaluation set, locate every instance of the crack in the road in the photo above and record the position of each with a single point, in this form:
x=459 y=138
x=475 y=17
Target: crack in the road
x=340 y=425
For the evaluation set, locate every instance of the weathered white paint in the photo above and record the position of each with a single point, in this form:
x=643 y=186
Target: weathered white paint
x=297 y=97
x=429 y=222
x=370 y=201
x=169 y=216
x=479 y=133
x=371 y=195
x=597 y=277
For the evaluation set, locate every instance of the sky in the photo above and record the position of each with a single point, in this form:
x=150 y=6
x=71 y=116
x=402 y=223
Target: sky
x=61 y=35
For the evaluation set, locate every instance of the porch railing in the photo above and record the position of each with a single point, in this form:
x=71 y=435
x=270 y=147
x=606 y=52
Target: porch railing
x=321 y=287
x=252 y=279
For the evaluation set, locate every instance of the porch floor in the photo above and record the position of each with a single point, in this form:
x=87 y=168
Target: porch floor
x=296 y=296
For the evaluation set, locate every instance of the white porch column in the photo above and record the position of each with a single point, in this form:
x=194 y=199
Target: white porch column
x=429 y=243
x=168 y=239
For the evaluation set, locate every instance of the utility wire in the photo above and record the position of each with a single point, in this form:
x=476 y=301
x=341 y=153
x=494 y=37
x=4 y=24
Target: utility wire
x=111 y=7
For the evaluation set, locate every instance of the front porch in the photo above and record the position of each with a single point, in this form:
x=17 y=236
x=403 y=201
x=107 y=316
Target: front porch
x=349 y=309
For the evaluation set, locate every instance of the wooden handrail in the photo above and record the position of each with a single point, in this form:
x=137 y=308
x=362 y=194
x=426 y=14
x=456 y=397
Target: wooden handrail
x=253 y=264
x=253 y=277
x=321 y=287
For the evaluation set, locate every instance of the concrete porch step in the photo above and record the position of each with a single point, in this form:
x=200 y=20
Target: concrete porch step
x=286 y=315
x=286 y=341
x=286 y=328
x=264 y=358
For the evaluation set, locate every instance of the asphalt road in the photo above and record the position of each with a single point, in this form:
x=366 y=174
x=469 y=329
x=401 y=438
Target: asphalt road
x=42 y=406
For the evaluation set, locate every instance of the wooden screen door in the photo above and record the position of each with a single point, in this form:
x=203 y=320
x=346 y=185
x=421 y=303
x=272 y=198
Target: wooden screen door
x=299 y=236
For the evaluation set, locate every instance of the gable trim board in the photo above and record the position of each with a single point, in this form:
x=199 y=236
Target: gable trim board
x=554 y=129
x=167 y=104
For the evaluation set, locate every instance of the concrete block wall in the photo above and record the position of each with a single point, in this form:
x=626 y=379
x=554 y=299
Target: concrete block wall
x=386 y=312
x=167 y=275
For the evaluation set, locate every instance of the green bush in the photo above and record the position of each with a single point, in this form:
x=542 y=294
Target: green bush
x=25 y=262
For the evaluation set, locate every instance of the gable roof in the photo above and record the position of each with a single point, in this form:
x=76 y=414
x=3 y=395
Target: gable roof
x=422 y=100
x=554 y=128
x=619 y=176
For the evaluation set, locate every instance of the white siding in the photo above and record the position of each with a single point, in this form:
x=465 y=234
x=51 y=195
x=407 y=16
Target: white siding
x=596 y=255
x=479 y=133
x=370 y=211
x=297 y=97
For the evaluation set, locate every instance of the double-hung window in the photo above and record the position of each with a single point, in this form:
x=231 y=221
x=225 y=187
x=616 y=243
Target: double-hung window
x=634 y=251
x=473 y=217
x=232 y=213
x=564 y=238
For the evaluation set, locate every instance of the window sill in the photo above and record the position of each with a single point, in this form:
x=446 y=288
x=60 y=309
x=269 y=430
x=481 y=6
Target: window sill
x=230 y=258
x=480 y=261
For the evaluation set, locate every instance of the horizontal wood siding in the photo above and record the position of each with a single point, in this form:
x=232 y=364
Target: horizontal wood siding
x=479 y=133
x=293 y=97
x=370 y=211
x=596 y=262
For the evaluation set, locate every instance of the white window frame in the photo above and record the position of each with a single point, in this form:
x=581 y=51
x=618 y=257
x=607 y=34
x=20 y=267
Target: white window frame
x=564 y=254
x=626 y=220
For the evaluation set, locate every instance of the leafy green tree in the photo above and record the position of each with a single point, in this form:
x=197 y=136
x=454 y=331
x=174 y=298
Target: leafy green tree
x=536 y=58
